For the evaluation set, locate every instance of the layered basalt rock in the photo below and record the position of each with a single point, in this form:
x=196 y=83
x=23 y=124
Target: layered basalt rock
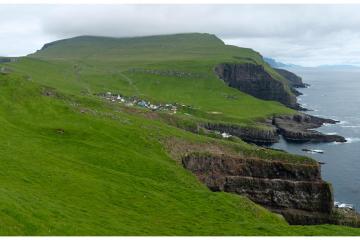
x=294 y=190
x=294 y=128
x=294 y=80
x=253 y=79
x=296 y=92
x=299 y=128
x=261 y=136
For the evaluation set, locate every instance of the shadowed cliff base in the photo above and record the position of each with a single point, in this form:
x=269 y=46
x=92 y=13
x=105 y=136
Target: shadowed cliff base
x=294 y=190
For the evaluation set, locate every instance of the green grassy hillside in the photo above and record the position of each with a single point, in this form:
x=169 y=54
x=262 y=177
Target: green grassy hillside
x=95 y=64
x=74 y=164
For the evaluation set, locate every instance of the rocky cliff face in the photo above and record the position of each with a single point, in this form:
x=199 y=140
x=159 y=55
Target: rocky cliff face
x=253 y=135
x=294 y=80
x=299 y=128
x=294 y=128
x=254 y=80
x=294 y=190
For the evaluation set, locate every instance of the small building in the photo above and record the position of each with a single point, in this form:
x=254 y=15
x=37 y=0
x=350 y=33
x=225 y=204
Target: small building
x=142 y=103
x=225 y=135
x=344 y=205
x=153 y=107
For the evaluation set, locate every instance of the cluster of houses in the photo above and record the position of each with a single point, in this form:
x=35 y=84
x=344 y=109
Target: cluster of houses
x=223 y=134
x=134 y=101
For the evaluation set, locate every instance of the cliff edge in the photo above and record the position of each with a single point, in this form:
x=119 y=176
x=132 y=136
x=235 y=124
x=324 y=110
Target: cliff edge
x=294 y=190
x=295 y=81
x=253 y=79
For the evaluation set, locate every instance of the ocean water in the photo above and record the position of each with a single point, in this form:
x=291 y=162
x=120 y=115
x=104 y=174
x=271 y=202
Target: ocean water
x=334 y=94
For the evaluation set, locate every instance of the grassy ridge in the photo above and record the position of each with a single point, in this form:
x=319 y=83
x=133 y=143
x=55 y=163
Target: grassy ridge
x=73 y=164
x=94 y=64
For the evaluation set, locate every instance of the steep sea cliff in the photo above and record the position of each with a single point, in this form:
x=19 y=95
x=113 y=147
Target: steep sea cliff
x=255 y=80
x=295 y=190
x=334 y=94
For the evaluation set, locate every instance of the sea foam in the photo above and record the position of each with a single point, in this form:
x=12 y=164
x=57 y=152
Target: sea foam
x=331 y=133
x=351 y=126
x=352 y=140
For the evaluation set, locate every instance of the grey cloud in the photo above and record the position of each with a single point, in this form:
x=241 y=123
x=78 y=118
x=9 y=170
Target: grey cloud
x=302 y=34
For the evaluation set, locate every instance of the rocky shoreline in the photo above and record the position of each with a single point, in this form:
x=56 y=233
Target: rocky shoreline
x=294 y=128
x=256 y=81
x=300 y=128
x=296 y=191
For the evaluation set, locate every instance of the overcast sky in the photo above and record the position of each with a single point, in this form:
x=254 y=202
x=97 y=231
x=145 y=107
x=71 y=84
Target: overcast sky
x=308 y=35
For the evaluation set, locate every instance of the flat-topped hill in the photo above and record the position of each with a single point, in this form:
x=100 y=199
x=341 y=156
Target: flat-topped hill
x=109 y=47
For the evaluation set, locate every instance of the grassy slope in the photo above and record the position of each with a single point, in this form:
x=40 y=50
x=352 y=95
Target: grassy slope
x=104 y=63
x=108 y=173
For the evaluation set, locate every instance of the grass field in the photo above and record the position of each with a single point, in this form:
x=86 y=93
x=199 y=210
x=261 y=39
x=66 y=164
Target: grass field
x=73 y=164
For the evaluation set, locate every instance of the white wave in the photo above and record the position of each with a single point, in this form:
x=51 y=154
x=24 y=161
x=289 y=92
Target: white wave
x=343 y=122
x=352 y=140
x=318 y=151
x=313 y=151
x=351 y=126
x=331 y=133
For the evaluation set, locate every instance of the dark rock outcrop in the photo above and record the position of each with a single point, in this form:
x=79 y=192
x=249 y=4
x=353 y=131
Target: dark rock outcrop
x=294 y=190
x=253 y=79
x=261 y=136
x=294 y=128
x=294 y=80
x=279 y=186
x=296 y=92
x=299 y=128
